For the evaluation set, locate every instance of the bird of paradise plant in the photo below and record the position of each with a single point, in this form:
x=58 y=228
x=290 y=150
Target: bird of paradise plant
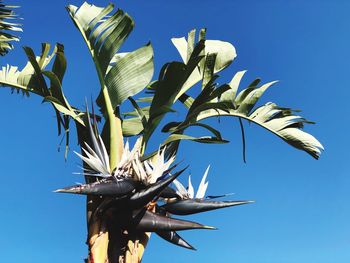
x=129 y=189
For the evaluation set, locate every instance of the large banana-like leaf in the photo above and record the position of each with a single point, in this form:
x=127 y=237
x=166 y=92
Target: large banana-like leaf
x=206 y=99
x=215 y=101
x=130 y=74
x=225 y=54
x=29 y=79
x=33 y=79
x=7 y=28
x=281 y=121
x=123 y=75
x=171 y=79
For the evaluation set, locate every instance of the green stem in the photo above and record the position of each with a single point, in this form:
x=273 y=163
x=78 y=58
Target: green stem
x=115 y=129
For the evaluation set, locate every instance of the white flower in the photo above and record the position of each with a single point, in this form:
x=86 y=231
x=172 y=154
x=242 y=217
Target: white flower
x=97 y=160
x=189 y=193
x=130 y=165
x=158 y=166
x=149 y=171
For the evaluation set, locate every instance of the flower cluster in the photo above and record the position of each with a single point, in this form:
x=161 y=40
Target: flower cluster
x=135 y=183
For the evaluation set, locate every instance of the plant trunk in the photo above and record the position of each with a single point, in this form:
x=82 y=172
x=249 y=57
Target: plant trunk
x=109 y=243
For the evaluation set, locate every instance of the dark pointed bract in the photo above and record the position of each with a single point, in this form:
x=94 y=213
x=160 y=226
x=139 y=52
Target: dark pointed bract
x=218 y=196
x=144 y=196
x=104 y=187
x=193 y=206
x=174 y=238
x=169 y=192
x=147 y=221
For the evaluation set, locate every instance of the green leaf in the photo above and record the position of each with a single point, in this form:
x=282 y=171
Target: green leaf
x=60 y=63
x=230 y=94
x=7 y=28
x=220 y=106
x=134 y=113
x=181 y=128
x=140 y=112
x=122 y=74
x=279 y=121
x=202 y=36
x=66 y=129
x=191 y=43
x=132 y=127
x=223 y=102
x=209 y=97
x=186 y=100
x=171 y=126
x=145 y=99
x=250 y=100
x=208 y=69
x=171 y=79
x=203 y=139
x=225 y=51
x=62 y=108
x=243 y=139
x=130 y=74
x=37 y=66
x=170 y=82
x=244 y=93
x=102 y=33
x=178 y=128
x=56 y=88
x=30 y=78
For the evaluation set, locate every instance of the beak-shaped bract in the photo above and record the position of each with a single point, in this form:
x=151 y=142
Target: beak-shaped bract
x=151 y=222
x=144 y=196
x=109 y=187
x=139 y=198
x=174 y=238
x=193 y=206
x=169 y=192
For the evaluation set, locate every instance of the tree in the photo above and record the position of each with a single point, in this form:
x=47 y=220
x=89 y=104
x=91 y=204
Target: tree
x=124 y=186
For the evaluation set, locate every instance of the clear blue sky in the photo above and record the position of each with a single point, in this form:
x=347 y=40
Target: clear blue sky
x=302 y=207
